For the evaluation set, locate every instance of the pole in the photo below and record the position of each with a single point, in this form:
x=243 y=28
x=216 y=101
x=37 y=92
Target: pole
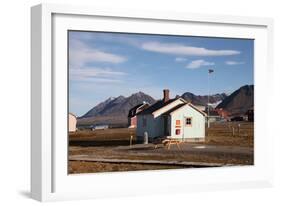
x=208 y=122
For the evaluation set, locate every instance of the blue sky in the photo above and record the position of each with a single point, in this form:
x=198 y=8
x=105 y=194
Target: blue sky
x=103 y=65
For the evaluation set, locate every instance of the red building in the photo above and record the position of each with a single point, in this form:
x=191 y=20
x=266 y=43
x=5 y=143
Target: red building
x=223 y=113
x=132 y=116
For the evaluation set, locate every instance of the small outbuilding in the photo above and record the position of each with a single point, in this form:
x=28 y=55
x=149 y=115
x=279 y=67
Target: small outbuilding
x=72 y=121
x=223 y=113
x=214 y=116
x=250 y=114
x=172 y=118
x=132 y=115
x=100 y=126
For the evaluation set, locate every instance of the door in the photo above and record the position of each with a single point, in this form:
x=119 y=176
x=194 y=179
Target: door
x=166 y=128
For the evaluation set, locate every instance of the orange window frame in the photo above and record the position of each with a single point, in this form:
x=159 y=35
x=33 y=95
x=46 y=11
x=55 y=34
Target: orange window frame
x=178 y=131
x=178 y=123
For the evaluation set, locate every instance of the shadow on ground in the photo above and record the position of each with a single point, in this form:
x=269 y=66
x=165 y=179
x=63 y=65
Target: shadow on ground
x=102 y=143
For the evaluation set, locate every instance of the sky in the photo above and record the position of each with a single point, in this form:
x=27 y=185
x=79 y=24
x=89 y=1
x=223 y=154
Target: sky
x=104 y=65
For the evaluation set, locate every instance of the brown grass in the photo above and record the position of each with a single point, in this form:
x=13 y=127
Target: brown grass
x=103 y=144
x=218 y=134
x=91 y=167
x=231 y=134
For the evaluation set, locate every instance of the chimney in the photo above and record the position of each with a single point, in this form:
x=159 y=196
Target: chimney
x=166 y=95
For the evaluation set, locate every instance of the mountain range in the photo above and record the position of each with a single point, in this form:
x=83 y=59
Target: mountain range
x=203 y=100
x=114 y=110
x=239 y=101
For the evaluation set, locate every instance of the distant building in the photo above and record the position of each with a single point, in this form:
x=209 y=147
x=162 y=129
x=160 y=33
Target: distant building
x=171 y=118
x=250 y=114
x=237 y=118
x=223 y=113
x=132 y=115
x=99 y=126
x=93 y=127
x=214 y=116
x=72 y=121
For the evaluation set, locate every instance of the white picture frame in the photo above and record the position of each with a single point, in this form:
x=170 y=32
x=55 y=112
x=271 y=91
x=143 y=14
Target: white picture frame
x=49 y=178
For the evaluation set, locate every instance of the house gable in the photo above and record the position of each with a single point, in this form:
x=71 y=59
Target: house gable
x=167 y=107
x=197 y=109
x=137 y=109
x=183 y=106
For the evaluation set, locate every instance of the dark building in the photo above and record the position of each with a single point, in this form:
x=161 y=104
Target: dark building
x=132 y=115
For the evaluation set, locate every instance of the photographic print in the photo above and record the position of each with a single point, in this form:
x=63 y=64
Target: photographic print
x=149 y=102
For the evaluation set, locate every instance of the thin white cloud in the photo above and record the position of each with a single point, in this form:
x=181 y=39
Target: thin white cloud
x=179 y=49
x=199 y=63
x=96 y=75
x=234 y=63
x=80 y=54
x=104 y=80
x=180 y=59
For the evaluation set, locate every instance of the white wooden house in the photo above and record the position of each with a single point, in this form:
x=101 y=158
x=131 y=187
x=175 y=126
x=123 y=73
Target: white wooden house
x=172 y=118
x=72 y=121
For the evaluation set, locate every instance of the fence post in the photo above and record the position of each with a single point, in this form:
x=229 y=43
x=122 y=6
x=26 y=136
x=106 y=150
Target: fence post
x=131 y=140
x=238 y=130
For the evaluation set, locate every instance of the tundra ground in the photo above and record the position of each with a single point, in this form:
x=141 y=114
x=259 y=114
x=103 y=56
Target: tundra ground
x=109 y=150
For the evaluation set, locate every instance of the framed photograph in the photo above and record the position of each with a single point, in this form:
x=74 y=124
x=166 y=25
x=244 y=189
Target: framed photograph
x=137 y=102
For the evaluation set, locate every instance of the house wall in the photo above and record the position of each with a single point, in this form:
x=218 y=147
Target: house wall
x=132 y=122
x=196 y=130
x=155 y=122
x=72 y=123
x=169 y=125
x=149 y=128
x=159 y=126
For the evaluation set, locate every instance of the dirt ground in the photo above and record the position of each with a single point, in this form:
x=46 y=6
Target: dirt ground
x=226 y=144
x=90 y=167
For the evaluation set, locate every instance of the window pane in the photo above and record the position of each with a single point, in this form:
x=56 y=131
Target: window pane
x=188 y=121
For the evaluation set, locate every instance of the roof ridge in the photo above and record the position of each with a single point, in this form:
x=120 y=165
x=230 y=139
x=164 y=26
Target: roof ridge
x=194 y=107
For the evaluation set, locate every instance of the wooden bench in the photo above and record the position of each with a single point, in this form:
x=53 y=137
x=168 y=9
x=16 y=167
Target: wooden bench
x=167 y=142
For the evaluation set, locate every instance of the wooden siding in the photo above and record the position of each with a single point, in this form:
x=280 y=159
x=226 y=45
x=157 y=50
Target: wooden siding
x=195 y=130
x=155 y=122
x=72 y=123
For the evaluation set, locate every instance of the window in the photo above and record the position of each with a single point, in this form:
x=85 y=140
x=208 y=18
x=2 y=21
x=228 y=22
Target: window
x=178 y=131
x=144 y=122
x=188 y=121
x=178 y=122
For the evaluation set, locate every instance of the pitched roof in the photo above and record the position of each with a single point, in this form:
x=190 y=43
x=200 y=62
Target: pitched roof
x=159 y=104
x=133 y=111
x=181 y=105
x=174 y=109
x=72 y=114
x=194 y=107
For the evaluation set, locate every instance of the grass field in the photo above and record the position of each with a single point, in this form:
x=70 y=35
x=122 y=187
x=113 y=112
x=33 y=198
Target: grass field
x=231 y=133
x=226 y=143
